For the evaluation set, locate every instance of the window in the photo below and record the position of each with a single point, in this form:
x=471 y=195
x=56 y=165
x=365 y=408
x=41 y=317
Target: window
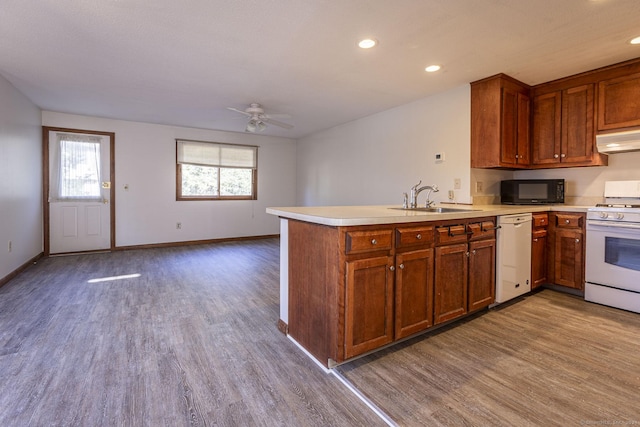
x=212 y=171
x=76 y=175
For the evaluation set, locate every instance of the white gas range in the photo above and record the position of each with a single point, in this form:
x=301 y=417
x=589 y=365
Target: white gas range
x=613 y=248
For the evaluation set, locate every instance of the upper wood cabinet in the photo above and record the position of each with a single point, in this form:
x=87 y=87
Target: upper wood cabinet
x=500 y=123
x=563 y=116
x=619 y=102
x=564 y=128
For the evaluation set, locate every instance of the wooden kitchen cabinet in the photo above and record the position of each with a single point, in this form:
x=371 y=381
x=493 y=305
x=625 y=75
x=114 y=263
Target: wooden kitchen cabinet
x=368 y=304
x=414 y=263
x=414 y=292
x=500 y=123
x=358 y=288
x=619 y=102
x=465 y=268
x=564 y=128
x=539 y=241
x=482 y=274
x=452 y=276
x=567 y=249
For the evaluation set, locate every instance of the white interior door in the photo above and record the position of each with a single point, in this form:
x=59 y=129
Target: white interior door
x=79 y=192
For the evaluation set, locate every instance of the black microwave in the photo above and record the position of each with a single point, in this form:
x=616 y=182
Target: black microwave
x=531 y=191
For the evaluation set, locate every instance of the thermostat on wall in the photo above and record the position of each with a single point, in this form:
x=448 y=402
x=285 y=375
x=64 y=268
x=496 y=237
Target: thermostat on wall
x=439 y=157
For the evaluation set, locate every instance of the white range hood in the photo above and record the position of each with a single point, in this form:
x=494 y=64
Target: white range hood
x=618 y=142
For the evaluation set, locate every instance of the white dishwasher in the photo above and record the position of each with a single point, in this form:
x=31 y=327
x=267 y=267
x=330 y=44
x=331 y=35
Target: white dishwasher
x=513 y=257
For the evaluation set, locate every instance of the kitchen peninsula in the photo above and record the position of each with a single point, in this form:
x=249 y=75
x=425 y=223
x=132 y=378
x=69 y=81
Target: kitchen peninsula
x=354 y=279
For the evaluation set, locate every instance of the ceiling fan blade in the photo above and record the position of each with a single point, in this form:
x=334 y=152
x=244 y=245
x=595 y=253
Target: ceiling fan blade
x=278 y=116
x=277 y=123
x=239 y=111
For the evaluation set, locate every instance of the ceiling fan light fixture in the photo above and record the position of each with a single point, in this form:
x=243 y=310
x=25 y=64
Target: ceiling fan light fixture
x=255 y=125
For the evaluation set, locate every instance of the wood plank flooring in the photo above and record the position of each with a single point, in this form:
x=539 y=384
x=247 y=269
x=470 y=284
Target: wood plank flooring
x=549 y=359
x=192 y=341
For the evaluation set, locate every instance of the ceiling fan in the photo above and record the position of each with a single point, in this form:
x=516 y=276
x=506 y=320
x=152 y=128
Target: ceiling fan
x=258 y=120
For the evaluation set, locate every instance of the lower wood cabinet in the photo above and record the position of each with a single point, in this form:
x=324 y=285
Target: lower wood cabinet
x=539 y=242
x=567 y=249
x=482 y=274
x=355 y=289
x=452 y=276
x=368 y=304
x=414 y=292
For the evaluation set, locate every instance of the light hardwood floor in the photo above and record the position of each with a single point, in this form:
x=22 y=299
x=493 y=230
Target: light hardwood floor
x=191 y=341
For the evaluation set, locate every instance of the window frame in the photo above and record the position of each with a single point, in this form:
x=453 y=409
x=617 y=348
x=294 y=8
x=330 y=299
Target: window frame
x=254 y=174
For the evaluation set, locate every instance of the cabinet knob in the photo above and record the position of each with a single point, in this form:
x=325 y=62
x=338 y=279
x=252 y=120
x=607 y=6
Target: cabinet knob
x=555 y=156
x=419 y=236
x=468 y=254
x=375 y=242
x=577 y=240
x=535 y=240
x=563 y=155
x=401 y=266
x=566 y=221
x=473 y=252
x=392 y=268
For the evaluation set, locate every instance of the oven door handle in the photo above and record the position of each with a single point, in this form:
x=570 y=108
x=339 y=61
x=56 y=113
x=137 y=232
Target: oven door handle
x=610 y=224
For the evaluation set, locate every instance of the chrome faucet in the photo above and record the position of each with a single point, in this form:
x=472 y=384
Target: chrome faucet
x=415 y=191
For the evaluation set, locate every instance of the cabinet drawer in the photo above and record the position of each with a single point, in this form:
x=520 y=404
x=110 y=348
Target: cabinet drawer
x=414 y=236
x=569 y=220
x=538 y=234
x=452 y=234
x=482 y=230
x=370 y=240
x=540 y=220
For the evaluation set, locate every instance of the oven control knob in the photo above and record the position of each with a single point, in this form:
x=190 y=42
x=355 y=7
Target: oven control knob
x=603 y=215
x=619 y=215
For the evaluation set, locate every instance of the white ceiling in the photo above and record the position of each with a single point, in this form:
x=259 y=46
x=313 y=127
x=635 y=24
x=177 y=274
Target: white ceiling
x=182 y=62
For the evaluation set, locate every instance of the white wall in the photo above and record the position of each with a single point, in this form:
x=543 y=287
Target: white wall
x=375 y=159
x=20 y=179
x=145 y=160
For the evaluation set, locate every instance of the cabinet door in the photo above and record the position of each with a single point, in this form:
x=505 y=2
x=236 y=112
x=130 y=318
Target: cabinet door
x=514 y=148
x=569 y=248
x=619 y=102
x=538 y=258
x=578 y=137
x=368 y=304
x=414 y=292
x=547 y=122
x=482 y=273
x=451 y=266
x=524 y=130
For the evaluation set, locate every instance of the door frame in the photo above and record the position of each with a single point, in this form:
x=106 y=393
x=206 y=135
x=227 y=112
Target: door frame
x=45 y=182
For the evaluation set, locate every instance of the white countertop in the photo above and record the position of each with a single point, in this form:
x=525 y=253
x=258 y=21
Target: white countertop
x=370 y=215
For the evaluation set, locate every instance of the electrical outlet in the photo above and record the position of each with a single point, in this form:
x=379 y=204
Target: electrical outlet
x=452 y=195
x=178 y=226
x=457 y=184
x=9 y=247
x=479 y=187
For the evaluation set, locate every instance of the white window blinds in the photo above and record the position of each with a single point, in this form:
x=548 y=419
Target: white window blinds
x=216 y=155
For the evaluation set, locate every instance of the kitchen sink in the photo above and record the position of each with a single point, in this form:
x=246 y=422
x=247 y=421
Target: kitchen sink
x=436 y=209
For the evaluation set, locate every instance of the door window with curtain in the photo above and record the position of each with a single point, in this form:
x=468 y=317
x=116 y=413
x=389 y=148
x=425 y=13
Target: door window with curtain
x=76 y=176
x=214 y=171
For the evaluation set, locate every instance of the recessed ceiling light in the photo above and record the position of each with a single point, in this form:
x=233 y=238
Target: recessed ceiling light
x=432 y=68
x=635 y=40
x=367 y=43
